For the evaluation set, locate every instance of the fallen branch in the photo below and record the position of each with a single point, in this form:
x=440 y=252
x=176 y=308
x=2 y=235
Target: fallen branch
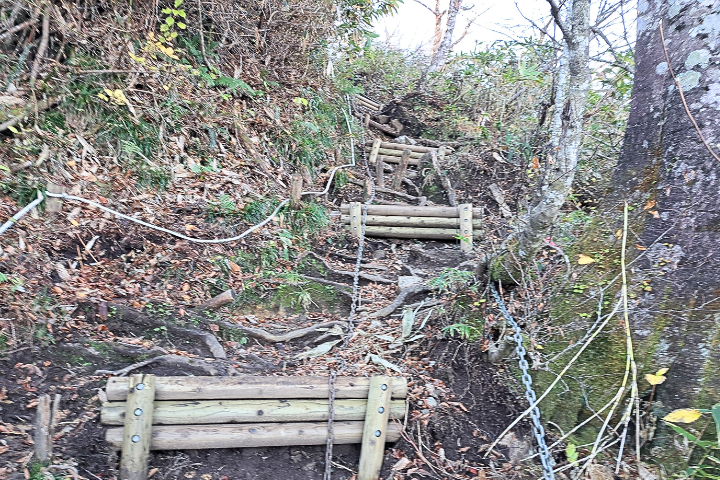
x=385 y=312
x=44 y=41
x=278 y=338
x=17 y=28
x=218 y=301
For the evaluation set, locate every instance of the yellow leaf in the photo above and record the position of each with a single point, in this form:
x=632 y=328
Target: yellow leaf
x=539 y=347
x=585 y=260
x=618 y=234
x=684 y=415
x=654 y=379
x=662 y=371
x=74 y=222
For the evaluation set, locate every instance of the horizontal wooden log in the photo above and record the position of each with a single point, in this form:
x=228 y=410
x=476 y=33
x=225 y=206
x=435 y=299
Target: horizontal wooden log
x=414 y=232
x=388 y=152
x=398 y=221
x=194 y=437
x=249 y=387
x=412 y=211
x=370 y=102
x=388 y=159
x=202 y=412
x=402 y=146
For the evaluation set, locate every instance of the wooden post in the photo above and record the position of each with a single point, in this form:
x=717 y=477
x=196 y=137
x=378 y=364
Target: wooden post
x=355 y=218
x=465 y=212
x=367 y=190
x=374 y=150
x=376 y=425
x=138 y=427
x=400 y=170
x=296 y=184
x=380 y=172
x=366 y=120
x=53 y=205
x=43 y=433
x=441 y=153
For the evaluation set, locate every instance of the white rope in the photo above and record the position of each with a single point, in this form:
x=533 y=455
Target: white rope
x=15 y=218
x=65 y=196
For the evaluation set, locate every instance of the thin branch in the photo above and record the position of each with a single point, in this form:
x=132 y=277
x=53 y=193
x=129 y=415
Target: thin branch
x=682 y=96
x=431 y=10
x=17 y=28
x=45 y=40
x=555 y=12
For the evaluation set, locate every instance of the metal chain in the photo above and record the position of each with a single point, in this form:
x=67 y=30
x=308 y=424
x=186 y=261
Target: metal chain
x=331 y=419
x=353 y=306
x=543 y=450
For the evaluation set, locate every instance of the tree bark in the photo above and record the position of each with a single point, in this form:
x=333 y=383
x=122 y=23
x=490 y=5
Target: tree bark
x=443 y=49
x=565 y=143
x=672 y=180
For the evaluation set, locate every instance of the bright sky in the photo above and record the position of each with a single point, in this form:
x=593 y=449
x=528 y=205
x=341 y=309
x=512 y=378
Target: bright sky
x=414 y=25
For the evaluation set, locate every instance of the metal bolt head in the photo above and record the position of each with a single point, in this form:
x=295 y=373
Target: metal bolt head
x=135 y=438
x=138 y=412
x=383 y=387
x=140 y=386
x=381 y=409
x=378 y=433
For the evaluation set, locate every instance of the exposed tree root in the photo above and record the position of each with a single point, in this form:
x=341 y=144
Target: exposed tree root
x=170 y=360
x=277 y=338
x=400 y=299
x=341 y=288
x=366 y=276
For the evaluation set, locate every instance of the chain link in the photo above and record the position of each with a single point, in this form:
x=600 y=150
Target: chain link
x=353 y=306
x=543 y=451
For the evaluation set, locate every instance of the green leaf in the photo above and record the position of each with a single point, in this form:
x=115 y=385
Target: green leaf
x=683 y=432
x=571 y=453
x=164 y=28
x=13 y=130
x=170 y=21
x=178 y=3
x=166 y=11
x=181 y=13
x=716 y=417
x=181 y=26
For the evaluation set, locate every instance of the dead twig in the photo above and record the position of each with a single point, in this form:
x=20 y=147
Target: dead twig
x=44 y=41
x=682 y=97
x=17 y=28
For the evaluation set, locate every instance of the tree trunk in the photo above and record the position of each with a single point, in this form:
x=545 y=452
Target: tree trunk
x=560 y=166
x=443 y=49
x=673 y=181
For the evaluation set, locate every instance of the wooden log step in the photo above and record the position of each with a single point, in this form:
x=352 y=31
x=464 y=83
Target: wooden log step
x=412 y=211
x=370 y=102
x=402 y=146
x=402 y=221
x=387 y=159
x=177 y=412
x=250 y=435
x=388 y=152
x=249 y=387
x=414 y=232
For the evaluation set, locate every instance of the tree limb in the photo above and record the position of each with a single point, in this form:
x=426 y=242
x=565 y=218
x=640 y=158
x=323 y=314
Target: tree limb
x=17 y=28
x=555 y=12
x=404 y=293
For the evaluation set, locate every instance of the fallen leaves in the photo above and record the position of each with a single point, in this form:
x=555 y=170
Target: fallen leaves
x=683 y=415
x=658 y=378
x=585 y=260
